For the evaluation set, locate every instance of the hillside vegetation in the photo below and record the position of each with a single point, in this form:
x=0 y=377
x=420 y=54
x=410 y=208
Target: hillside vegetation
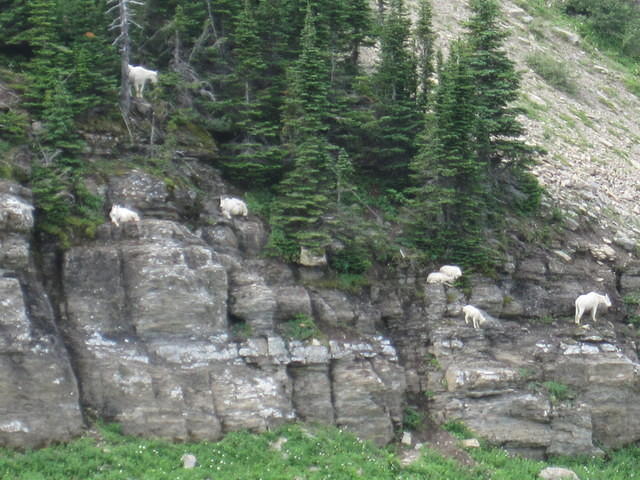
x=301 y=452
x=275 y=95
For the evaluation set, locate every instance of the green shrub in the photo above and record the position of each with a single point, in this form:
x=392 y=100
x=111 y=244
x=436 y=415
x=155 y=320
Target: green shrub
x=240 y=330
x=301 y=327
x=412 y=419
x=632 y=307
x=65 y=209
x=457 y=429
x=259 y=202
x=352 y=259
x=558 y=392
x=554 y=72
x=13 y=126
x=345 y=282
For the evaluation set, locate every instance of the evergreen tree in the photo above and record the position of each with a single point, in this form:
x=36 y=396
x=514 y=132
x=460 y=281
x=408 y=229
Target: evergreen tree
x=448 y=205
x=497 y=128
x=472 y=148
x=13 y=22
x=425 y=51
x=249 y=63
x=46 y=66
x=398 y=121
x=257 y=156
x=297 y=221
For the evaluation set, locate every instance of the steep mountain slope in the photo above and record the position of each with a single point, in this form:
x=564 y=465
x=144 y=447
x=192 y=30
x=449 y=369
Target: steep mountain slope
x=592 y=136
x=179 y=326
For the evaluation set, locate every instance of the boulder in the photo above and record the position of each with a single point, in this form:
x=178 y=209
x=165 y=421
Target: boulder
x=557 y=473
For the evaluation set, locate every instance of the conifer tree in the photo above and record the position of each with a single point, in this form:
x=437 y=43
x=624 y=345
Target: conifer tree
x=472 y=148
x=497 y=128
x=257 y=156
x=13 y=22
x=45 y=68
x=398 y=120
x=296 y=221
x=249 y=63
x=446 y=216
x=424 y=38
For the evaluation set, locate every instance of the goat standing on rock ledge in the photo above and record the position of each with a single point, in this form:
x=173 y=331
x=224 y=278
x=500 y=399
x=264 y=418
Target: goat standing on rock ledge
x=590 y=302
x=139 y=76
x=473 y=314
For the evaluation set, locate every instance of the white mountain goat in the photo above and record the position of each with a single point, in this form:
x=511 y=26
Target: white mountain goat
x=590 y=302
x=139 y=76
x=439 y=277
x=233 y=206
x=120 y=215
x=452 y=271
x=447 y=274
x=473 y=314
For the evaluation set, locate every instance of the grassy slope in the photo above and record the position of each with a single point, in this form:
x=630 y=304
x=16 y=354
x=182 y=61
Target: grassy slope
x=311 y=453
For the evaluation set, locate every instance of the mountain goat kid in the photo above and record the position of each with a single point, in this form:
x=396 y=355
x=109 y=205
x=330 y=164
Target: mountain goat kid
x=120 y=215
x=590 y=302
x=139 y=76
x=473 y=314
x=233 y=206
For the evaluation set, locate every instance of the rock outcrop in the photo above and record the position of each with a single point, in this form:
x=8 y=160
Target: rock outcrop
x=147 y=317
x=39 y=400
x=184 y=334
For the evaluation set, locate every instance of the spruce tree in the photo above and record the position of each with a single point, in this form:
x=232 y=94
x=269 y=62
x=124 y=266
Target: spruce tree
x=13 y=23
x=424 y=38
x=296 y=221
x=497 y=128
x=398 y=121
x=46 y=66
x=256 y=158
x=472 y=149
x=446 y=215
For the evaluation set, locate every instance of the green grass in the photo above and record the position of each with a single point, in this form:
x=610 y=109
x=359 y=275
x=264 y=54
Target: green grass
x=554 y=72
x=310 y=453
x=301 y=327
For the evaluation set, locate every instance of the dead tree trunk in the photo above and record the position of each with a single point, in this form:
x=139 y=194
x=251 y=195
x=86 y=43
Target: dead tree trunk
x=122 y=23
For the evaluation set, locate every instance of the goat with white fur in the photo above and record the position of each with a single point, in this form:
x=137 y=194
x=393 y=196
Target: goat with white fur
x=233 y=206
x=590 y=302
x=473 y=314
x=439 y=277
x=139 y=76
x=447 y=274
x=452 y=271
x=120 y=215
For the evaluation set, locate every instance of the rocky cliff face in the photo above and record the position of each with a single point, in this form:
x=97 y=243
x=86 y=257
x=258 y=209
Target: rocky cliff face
x=179 y=333
x=144 y=333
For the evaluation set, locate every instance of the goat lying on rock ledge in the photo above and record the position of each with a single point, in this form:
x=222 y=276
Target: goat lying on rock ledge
x=447 y=274
x=120 y=215
x=590 y=302
x=233 y=206
x=452 y=271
